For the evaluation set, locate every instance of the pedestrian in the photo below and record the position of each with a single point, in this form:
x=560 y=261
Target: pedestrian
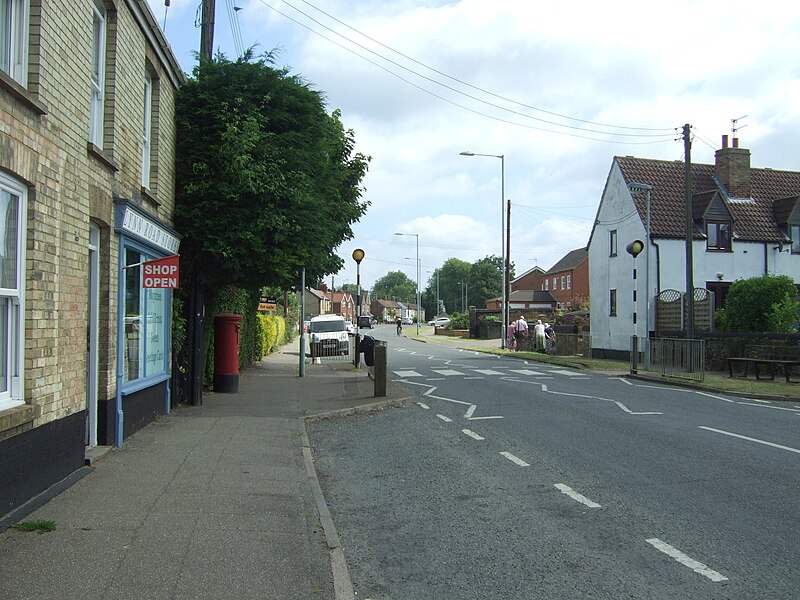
x=510 y=341
x=549 y=338
x=538 y=332
x=520 y=331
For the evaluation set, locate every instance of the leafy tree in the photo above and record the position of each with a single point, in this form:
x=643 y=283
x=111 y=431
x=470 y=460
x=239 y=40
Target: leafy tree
x=267 y=181
x=394 y=286
x=760 y=304
x=486 y=280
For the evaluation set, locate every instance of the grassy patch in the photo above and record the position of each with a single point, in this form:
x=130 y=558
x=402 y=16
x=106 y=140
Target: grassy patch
x=39 y=526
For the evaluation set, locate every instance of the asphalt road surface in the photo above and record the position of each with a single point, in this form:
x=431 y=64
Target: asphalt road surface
x=512 y=479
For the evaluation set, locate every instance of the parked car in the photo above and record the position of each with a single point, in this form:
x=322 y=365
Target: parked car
x=350 y=329
x=365 y=322
x=329 y=336
x=406 y=321
x=439 y=322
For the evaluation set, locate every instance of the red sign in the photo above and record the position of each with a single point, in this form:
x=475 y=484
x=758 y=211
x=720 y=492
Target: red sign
x=161 y=273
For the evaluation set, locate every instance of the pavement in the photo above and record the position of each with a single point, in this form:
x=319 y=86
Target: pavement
x=216 y=501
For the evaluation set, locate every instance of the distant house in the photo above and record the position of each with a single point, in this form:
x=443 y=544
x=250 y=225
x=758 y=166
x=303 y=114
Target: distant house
x=316 y=303
x=745 y=223
x=385 y=311
x=526 y=300
x=568 y=279
x=342 y=303
x=532 y=279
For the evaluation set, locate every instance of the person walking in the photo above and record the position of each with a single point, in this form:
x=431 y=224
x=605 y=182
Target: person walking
x=549 y=338
x=520 y=331
x=538 y=332
x=510 y=340
x=399 y=323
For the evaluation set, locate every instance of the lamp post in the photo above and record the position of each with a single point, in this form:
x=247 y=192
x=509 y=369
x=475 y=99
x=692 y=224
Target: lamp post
x=504 y=303
x=635 y=186
x=358 y=256
x=416 y=235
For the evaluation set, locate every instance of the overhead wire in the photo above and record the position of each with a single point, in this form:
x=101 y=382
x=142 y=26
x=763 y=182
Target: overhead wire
x=664 y=137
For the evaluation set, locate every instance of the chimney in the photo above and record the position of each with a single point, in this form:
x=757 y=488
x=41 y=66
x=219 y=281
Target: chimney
x=733 y=168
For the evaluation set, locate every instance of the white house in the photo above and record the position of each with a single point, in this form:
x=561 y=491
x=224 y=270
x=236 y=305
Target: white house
x=746 y=223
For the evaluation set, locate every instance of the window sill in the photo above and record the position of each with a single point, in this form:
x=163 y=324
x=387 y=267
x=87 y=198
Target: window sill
x=21 y=94
x=12 y=418
x=97 y=153
x=147 y=194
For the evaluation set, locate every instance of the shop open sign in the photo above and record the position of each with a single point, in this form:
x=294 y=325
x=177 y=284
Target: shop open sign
x=161 y=273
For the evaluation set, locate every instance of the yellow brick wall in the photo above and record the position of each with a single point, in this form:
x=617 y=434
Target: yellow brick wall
x=70 y=185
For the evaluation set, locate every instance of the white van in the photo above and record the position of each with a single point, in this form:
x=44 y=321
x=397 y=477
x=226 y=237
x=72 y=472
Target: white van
x=328 y=335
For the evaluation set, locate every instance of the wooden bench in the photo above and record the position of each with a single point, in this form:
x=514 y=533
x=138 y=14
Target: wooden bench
x=757 y=356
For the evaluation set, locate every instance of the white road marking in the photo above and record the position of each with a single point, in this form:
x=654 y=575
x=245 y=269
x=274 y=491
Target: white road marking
x=405 y=374
x=471 y=378
x=757 y=400
x=622 y=379
x=435 y=379
x=685 y=560
x=447 y=372
x=423 y=405
x=630 y=412
x=572 y=395
x=470 y=411
x=482 y=418
x=526 y=372
x=488 y=372
x=749 y=439
x=562 y=372
x=514 y=459
x=445 y=419
x=472 y=434
x=576 y=496
x=715 y=397
x=794 y=410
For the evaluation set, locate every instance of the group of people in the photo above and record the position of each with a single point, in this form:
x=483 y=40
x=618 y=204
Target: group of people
x=544 y=337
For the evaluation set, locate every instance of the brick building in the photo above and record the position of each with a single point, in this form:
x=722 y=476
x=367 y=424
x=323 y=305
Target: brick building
x=87 y=180
x=568 y=279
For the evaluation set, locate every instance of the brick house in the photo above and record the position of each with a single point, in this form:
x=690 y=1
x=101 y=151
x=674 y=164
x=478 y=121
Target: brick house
x=342 y=303
x=568 y=279
x=745 y=223
x=532 y=279
x=385 y=311
x=87 y=178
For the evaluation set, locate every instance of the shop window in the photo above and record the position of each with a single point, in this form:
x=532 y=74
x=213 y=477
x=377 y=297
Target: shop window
x=145 y=327
x=14 y=39
x=13 y=199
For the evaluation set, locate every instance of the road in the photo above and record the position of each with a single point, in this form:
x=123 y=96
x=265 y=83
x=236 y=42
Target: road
x=509 y=479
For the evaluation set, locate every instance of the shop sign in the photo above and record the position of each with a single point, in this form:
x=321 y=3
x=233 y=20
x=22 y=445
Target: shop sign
x=161 y=273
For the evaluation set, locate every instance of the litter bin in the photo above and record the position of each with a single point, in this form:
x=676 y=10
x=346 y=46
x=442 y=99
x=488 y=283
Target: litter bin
x=367 y=346
x=226 y=352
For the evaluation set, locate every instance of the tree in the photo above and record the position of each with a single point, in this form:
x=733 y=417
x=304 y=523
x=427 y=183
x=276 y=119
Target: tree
x=760 y=304
x=267 y=181
x=486 y=280
x=394 y=286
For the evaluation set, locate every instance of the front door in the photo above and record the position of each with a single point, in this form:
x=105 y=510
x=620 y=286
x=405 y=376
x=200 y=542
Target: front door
x=92 y=337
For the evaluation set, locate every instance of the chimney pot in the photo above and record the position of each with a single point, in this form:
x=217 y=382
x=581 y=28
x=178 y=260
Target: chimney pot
x=724 y=141
x=735 y=142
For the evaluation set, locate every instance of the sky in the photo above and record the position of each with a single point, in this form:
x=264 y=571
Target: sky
x=556 y=88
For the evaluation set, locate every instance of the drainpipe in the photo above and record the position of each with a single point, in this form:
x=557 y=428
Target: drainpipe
x=766 y=262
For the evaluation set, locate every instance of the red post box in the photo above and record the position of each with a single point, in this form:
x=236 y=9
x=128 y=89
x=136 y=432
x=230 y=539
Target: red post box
x=226 y=353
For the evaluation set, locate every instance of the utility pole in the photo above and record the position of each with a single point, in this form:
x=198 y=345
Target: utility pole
x=207 y=30
x=687 y=145
x=507 y=273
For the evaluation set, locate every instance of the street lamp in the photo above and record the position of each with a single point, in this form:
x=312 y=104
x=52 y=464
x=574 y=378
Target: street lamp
x=504 y=303
x=416 y=235
x=635 y=186
x=358 y=256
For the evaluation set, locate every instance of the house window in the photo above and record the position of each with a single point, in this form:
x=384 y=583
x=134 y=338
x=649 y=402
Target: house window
x=98 y=75
x=555 y=283
x=146 y=130
x=562 y=282
x=569 y=282
x=718 y=235
x=794 y=233
x=146 y=312
x=612 y=242
x=612 y=303
x=13 y=199
x=546 y=285
x=14 y=39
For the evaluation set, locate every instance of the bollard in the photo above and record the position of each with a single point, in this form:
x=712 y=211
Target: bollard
x=380 y=369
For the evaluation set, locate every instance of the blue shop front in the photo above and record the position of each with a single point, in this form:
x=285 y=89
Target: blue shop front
x=143 y=322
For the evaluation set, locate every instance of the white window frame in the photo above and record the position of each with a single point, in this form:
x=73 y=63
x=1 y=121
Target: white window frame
x=569 y=282
x=12 y=305
x=14 y=36
x=147 y=130
x=547 y=284
x=562 y=282
x=612 y=242
x=98 y=75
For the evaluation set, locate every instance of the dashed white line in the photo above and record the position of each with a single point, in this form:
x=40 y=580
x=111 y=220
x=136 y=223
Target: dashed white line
x=749 y=439
x=482 y=418
x=575 y=495
x=470 y=411
x=423 y=405
x=445 y=419
x=715 y=397
x=472 y=434
x=514 y=459
x=685 y=560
